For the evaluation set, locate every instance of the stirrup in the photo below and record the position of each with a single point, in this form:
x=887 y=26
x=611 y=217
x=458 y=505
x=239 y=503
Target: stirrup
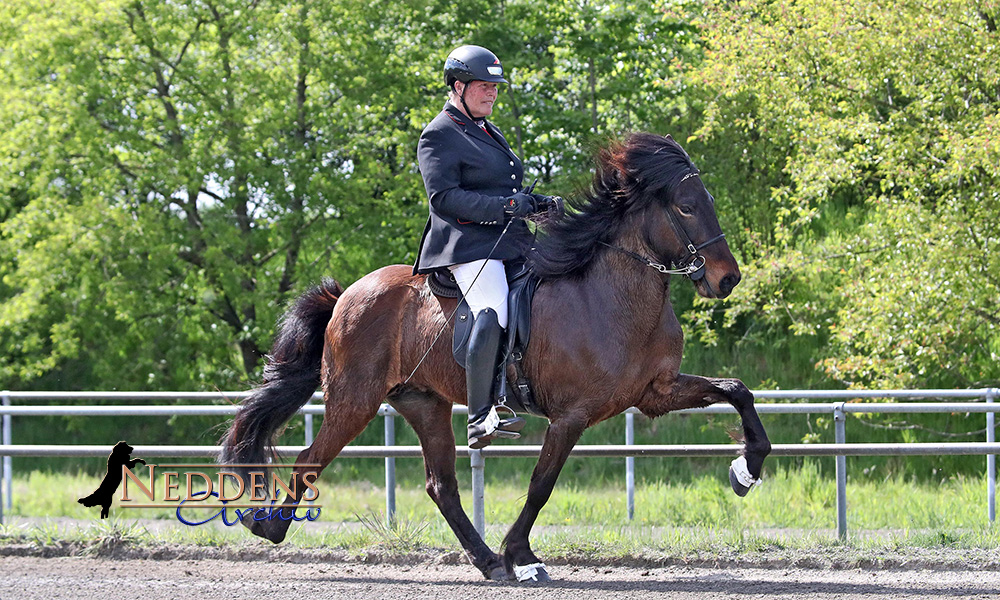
x=512 y=424
x=494 y=427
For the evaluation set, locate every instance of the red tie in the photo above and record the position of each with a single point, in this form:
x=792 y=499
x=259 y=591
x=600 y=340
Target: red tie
x=482 y=125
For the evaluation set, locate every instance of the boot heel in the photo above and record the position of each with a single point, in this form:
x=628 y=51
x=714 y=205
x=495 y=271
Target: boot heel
x=479 y=442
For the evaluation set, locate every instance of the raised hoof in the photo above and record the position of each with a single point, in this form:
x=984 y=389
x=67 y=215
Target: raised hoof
x=535 y=572
x=740 y=477
x=740 y=489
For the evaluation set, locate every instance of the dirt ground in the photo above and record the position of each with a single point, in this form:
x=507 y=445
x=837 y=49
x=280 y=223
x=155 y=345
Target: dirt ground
x=173 y=576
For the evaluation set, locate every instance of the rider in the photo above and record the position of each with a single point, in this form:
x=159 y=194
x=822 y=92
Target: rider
x=473 y=182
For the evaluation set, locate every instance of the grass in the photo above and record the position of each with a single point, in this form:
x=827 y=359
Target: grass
x=794 y=509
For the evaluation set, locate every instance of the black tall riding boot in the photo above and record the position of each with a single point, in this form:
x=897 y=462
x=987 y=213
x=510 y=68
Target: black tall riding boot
x=480 y=369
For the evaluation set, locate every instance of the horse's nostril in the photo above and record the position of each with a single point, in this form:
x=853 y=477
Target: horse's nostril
x=728 y=283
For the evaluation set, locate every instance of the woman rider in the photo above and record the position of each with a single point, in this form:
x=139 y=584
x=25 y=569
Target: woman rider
x=473 y=182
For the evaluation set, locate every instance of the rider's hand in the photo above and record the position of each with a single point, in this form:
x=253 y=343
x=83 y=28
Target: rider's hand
x=520 y=205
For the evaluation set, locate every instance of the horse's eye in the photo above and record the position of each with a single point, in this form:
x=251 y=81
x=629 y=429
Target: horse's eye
x=686 y=210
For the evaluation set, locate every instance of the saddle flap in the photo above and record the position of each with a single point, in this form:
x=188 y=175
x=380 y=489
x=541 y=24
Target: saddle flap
x=522 y=292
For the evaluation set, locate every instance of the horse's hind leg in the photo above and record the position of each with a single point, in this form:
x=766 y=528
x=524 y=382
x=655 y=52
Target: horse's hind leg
x=430 y=417
x=344 y=420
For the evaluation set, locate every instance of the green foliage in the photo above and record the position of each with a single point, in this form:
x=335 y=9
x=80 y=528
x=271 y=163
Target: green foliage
x=173 y=173
x=869 y=131
x=177 y=172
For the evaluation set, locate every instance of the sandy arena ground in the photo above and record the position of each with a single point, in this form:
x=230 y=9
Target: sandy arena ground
x=84 y=578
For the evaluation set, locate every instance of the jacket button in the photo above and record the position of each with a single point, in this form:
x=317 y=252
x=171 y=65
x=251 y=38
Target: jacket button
x=513 y=176
x=512 y=163
x=514 y=190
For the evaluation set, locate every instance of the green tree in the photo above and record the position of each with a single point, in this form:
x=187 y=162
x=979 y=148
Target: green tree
x=869 y=161
x=583 y=72
x=175 y=171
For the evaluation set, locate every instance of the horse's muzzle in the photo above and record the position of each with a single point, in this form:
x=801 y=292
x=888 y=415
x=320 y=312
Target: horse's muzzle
x=727 y=284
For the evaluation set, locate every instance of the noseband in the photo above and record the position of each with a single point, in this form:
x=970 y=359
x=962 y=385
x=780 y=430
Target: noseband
x=693 y=265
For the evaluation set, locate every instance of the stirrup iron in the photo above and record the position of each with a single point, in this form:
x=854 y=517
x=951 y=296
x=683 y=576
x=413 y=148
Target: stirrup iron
x=507 y=428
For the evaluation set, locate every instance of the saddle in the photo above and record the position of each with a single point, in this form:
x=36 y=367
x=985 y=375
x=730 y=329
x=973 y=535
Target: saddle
x=521 y=282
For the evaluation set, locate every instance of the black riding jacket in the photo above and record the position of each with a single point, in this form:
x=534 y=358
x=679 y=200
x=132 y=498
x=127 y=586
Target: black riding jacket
x=468 y=174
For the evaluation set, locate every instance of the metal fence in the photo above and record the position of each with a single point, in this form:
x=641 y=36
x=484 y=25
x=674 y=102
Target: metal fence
x=846 y=402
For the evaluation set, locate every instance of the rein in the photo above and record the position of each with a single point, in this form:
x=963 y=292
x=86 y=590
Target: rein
x=694 y=266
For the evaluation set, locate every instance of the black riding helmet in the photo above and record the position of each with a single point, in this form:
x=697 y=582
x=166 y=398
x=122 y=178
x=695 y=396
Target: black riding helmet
x=472 y=63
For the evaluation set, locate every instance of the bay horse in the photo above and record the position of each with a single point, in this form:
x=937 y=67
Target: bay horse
x=604 y=338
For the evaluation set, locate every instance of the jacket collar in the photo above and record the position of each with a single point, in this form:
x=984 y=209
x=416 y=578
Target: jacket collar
x=471 y=128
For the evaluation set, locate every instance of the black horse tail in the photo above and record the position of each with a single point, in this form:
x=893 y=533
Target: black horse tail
x=291 y=376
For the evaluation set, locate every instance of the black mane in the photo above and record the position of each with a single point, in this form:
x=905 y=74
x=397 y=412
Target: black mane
x=629 y=175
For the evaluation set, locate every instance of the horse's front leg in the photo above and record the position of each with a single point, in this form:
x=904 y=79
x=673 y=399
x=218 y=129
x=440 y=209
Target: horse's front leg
x=692 y=391
x=518 y=557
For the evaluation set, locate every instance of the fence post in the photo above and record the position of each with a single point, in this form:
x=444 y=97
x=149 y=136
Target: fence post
x=991 y=460
x=840 y=437
x=390 y=471
x=7 y=489
x=630 y=465
x=478 y=463
x=308 y=419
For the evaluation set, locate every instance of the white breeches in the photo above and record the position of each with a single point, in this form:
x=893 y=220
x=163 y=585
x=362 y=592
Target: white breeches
x=488 y=290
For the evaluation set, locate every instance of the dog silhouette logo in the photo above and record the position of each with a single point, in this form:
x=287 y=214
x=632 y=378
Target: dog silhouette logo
x=105 y=493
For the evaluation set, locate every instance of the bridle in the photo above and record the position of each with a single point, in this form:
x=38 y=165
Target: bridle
x=693 y=265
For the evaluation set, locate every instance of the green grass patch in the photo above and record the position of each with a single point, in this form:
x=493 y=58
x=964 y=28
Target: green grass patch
x=795 y=508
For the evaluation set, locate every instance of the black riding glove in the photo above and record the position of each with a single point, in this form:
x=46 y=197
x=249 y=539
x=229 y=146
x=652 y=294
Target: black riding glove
x=520 y=205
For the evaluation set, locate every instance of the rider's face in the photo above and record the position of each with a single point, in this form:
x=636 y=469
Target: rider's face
x=479 y=96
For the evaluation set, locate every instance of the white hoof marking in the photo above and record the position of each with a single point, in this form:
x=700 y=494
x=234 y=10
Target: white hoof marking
x=742 y=473
x=528 y=572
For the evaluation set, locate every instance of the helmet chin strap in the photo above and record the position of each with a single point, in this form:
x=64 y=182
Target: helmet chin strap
x=468 y=111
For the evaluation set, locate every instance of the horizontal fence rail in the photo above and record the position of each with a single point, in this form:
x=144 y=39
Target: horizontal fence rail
x=386 y=410
x=532 y=451
x=849 y=404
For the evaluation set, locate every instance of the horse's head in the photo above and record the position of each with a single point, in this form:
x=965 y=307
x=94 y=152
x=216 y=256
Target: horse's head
x=690 y=230
x=680 y=223
x=646 y=195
